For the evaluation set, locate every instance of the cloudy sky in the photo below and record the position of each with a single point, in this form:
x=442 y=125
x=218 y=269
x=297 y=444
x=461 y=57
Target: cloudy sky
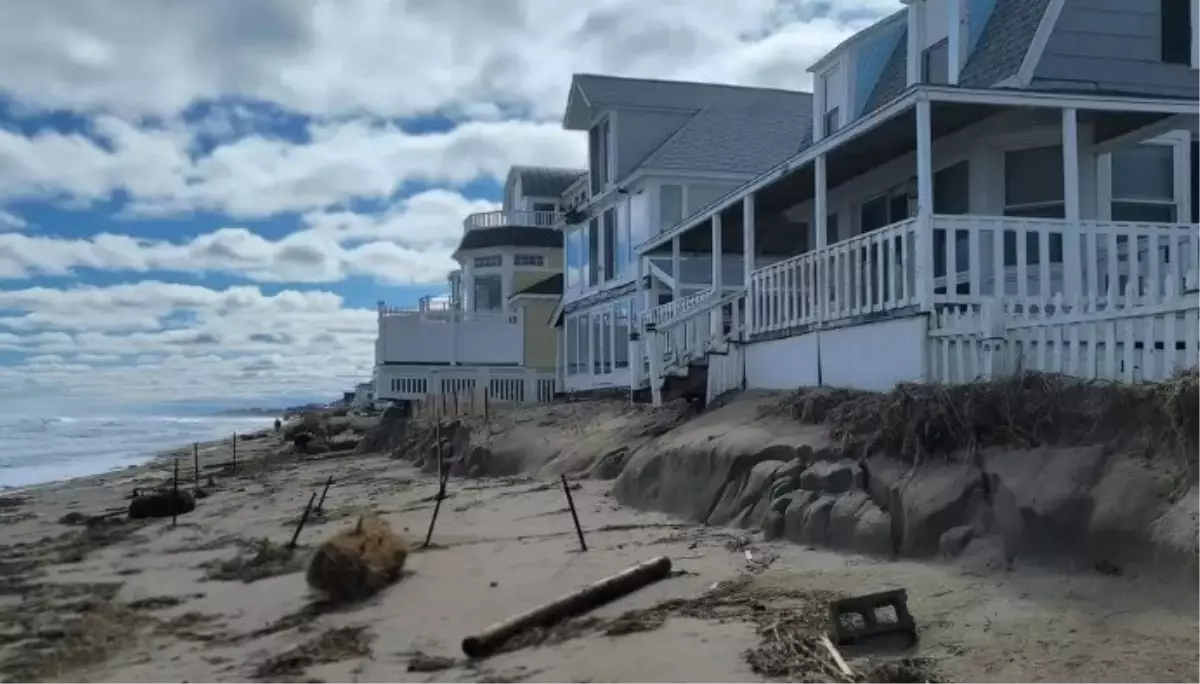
x=204 y=200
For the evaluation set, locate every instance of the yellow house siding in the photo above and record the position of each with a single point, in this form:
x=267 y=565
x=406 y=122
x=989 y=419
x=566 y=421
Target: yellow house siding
x=541 y=350
x=524 y=279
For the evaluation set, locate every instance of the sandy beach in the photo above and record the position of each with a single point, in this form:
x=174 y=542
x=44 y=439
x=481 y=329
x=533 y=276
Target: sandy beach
x=152 y=601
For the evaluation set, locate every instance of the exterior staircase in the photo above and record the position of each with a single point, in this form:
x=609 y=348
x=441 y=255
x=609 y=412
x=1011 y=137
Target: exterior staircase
x=692 y=351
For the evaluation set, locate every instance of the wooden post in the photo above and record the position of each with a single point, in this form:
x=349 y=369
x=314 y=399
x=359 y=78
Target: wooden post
x=597 y=594
x=321 y=503
x=443 y=477
x=196 y=462
x=485 y=404
x=235 y=452
x=303 y=519
x=175 y=503
x=454 y=400
x=574 y=515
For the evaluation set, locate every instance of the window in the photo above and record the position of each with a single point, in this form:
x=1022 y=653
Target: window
x=621 y=335
x=831 y=84
x=885 y=209
x=670 y=206
x=598 y=151
x=609 y=234
x=1033 y=188
x=831 y=229
x=604 y=342
x=572 y=345
x=585 y=340
x=490 y=261
x=593 y=251
x=935 y=63
x=488 y=293
x=575 y=258
x=1143 y=183
x=1176 y=17
x=624 y=241
x=529 y=260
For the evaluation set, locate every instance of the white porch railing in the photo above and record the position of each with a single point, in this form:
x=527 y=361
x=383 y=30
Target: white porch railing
x=1129 y=338
x=449 y=337
x=499 y=384
x=867 y=273
x=712 y=326
x=660 y=316
x=906 y=265
x=500 y=218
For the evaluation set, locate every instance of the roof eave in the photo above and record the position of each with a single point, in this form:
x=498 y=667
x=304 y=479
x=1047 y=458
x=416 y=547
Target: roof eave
x=577 y=115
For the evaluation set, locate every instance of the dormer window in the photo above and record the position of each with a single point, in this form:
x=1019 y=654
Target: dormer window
x=600 y=155
x=935 y=63
x=1178 y=40
x=831 y=84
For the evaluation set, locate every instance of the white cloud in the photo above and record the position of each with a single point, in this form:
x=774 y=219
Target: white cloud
x=399 y=58
x=257 y=176
x=10 y=221
x=165 y=340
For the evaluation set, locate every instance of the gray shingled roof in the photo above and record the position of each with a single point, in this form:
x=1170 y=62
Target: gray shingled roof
x=510 y=236
x=747 y=133
x=732 y=128
x=893 y=80
x=545 y=181
x=1003 y=43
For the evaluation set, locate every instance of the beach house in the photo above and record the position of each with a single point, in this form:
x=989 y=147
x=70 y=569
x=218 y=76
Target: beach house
x=491 y=333
x=972 y=183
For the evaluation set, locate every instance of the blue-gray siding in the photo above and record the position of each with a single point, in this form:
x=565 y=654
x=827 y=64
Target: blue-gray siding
x=1112 y=46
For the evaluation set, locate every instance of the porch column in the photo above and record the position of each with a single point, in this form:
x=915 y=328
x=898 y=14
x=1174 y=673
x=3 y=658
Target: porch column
x=716 y=323
x=675 y=275
x=748 y=250
x=1072 y=235
x=820 y=213
x=924 y=227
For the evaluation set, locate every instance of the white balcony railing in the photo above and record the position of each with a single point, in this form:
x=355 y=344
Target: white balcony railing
x=501 y=218
x=906 y=264
x=500 y=385
x=449 y=337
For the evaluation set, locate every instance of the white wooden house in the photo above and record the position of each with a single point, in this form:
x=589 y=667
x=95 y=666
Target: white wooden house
x=959 y=153
x=490 y=333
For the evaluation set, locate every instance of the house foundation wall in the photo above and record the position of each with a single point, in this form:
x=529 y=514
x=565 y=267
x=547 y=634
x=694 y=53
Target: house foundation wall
x=872 y=356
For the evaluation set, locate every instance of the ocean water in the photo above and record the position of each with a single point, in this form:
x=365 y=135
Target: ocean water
x=35 y=450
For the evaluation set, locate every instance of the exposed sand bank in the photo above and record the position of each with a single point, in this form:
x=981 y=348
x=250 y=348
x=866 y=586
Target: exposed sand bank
x=140 y=602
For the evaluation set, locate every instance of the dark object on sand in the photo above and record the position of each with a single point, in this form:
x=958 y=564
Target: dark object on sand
x=321 y=503
x=165 y=503
x=278 y=425
x=358 y=562
x=423 y=662
x=72 y=518
x=443 y=478
x=848 y=630
x=580 y=601
x=574 y=515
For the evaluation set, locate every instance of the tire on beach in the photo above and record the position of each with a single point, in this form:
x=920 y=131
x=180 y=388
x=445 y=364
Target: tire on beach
x=161 y=504
x=358 y=562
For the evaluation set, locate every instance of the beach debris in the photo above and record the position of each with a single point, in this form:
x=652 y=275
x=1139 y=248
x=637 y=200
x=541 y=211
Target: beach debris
x=580 y=601
x=162 y=503
x=342 y=643
x=358 y=562
x=107 y=517
x=443 y=479
x=574 y=515
x=72 y=518
x=856 y=618
x=419 y=661
x=265 y=560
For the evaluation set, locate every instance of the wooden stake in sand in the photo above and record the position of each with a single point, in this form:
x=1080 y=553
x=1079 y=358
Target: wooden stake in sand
x=303 y=519
x=443 y=477
x=580 y=601
x=234 y=444
x=196 y=463
x=175 y=515
x=321 y=503
x=485 y=404
x=574 y=515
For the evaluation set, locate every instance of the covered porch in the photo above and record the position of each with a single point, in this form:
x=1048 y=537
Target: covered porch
x=950 y=197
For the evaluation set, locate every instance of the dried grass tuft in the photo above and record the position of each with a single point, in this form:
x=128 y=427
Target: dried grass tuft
x=914 y=421
x=358 y=562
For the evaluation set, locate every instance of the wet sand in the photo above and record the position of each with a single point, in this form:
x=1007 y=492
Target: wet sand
x=138 y=602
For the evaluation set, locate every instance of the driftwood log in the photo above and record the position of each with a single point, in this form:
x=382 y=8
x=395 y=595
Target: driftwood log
x=580 y=601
